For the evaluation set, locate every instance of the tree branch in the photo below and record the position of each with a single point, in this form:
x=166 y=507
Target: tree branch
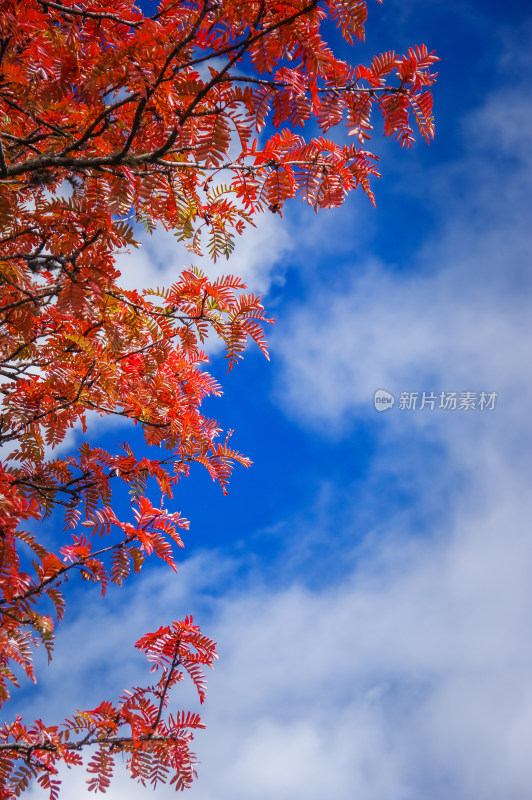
x=89 y=14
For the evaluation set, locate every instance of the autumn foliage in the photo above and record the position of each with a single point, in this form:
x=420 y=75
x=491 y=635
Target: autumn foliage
x=115 y=116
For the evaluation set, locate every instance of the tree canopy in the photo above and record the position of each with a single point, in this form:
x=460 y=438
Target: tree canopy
x=115 y=116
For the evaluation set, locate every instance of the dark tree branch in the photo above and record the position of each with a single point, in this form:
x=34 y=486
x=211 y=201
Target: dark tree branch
x=71 y=10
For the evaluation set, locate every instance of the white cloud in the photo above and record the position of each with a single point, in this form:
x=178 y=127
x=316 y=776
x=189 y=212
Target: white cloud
x=456 y=319
x=410 y=678
x=258 y=258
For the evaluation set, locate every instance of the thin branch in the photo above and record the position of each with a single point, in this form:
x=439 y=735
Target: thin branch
x=66 y=404
x=3 y=165
x=50 y=747
x=173 y=665
x=38 y=588
x=91 y=14
x=230 y=48
x=18 y=235
x=30 y=299
x=100 y=118
x=13 y=104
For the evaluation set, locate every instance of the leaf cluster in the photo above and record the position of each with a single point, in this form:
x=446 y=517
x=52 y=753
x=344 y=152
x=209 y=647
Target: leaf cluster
x=156 y=743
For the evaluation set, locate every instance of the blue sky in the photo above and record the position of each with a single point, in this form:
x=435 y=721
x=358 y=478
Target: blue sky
x=368 y=580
